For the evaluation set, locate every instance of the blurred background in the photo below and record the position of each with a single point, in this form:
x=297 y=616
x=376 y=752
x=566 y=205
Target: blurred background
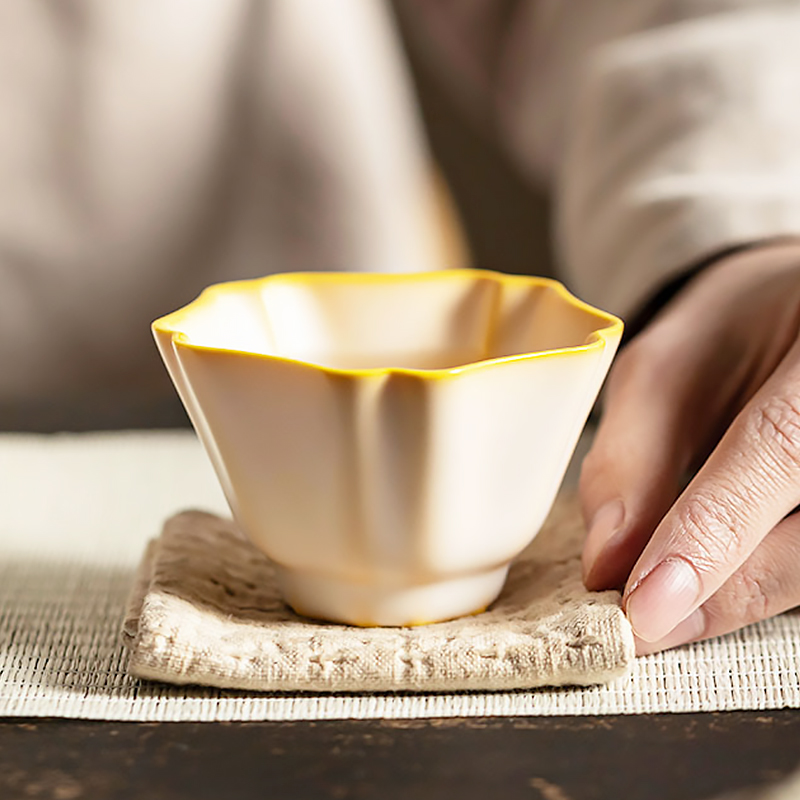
x=150 y=149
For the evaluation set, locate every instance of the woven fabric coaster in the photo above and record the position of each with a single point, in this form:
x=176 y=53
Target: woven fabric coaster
x=206 y=610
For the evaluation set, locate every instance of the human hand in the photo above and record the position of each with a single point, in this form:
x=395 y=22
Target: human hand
x=714 y=383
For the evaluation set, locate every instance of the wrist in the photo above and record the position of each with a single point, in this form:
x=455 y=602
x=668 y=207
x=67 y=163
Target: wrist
x=778 y=251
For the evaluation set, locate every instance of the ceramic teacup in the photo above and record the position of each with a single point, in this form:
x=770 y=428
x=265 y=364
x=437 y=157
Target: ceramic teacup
x=391 y=442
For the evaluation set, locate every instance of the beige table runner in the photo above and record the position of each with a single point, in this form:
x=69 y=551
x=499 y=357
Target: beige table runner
x=75 y=515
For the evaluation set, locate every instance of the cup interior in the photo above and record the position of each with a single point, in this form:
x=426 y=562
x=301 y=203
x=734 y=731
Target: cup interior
x=427 y=322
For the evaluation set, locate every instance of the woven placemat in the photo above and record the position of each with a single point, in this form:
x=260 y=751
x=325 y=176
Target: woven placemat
x=76 y=515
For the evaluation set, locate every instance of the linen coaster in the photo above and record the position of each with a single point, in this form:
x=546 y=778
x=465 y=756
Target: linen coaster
x=205 y=609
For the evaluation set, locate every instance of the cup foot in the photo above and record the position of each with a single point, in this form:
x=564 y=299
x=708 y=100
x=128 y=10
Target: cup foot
x=371 y=606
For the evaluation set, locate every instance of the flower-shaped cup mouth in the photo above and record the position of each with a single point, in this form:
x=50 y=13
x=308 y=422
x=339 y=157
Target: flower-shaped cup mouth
x=432 y=324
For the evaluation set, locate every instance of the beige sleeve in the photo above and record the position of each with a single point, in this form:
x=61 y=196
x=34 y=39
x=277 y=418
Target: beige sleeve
x=668 y=130
x=150 y=148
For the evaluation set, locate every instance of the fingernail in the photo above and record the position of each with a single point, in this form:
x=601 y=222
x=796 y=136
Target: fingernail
x=692 y=628
x=605 y=523
x=663 y=599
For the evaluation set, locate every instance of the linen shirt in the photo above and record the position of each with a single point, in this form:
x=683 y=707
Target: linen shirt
x=149 y=148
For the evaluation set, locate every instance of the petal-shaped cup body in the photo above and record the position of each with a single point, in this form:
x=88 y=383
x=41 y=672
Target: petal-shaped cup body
x=391 y=442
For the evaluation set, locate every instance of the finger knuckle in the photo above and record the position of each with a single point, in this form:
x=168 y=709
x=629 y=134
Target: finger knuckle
x=777 y=426
x=709 y=529
x=745 y=598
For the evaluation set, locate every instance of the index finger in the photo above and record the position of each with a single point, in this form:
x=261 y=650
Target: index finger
x=749 y=483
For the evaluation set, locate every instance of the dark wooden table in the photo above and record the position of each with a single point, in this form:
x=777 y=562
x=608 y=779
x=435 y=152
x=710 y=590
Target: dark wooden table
x=649 y=757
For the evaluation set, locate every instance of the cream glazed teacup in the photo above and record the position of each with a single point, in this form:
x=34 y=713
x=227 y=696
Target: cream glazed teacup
x=390 y=442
